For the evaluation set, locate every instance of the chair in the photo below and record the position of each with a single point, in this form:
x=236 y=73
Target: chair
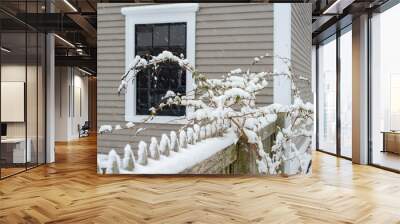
x=84 y=130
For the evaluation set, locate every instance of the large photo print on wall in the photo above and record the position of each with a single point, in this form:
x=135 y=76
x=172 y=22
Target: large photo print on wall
x=204 y=89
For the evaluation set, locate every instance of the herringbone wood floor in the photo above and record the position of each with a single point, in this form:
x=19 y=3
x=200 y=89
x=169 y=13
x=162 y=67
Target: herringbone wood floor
x=70 y=191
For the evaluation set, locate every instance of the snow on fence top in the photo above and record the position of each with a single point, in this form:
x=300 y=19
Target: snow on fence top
x=173 y=155
x=175 y=162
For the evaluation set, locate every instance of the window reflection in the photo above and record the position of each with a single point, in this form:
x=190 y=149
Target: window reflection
x=327 y=96
x=346 y=94
x=22 y=89
x=152 y=39
x=385 y=85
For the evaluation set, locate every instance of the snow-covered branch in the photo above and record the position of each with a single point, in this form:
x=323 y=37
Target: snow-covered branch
x=228 y=103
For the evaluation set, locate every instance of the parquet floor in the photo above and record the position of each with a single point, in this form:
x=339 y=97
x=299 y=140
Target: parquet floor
x=10 y=171
x=70 y=191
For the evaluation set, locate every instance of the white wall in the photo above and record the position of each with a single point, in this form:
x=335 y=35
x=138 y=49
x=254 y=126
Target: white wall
x=314 y=91
x=79 y=118
x=15 y=73
x=282 y=48
x=70 y=81
x=62 y=81
x=33 y=125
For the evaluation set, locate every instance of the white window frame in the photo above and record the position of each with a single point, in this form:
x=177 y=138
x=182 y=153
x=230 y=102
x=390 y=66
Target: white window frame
x=282 y=92
x=156 y=14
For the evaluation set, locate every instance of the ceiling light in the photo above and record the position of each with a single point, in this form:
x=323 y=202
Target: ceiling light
x=5 y=50
x=65 y=41
x=338 y=6
x=84 y=71
x=70 y=5
x=333 y=6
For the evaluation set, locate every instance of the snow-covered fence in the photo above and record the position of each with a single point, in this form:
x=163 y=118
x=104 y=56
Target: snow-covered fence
x=299 y=161
x=236 y=158
x=225 y=105
x=211 y=154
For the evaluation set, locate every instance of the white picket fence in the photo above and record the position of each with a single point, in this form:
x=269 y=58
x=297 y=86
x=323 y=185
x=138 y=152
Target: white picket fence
x=171 y=154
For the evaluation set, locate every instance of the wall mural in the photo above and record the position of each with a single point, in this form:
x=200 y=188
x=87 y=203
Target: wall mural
x=194 y=120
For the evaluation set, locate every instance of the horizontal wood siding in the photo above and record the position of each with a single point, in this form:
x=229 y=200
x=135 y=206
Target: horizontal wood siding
x=228 y=36
x=110 y=66
x=301 y=46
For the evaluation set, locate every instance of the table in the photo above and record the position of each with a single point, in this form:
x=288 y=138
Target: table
x=391 y=141
x=13 y=150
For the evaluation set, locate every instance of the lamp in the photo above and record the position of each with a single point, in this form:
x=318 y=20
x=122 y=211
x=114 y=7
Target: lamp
x=64 y=40
x=84 y=71
x=70 y=5
x=337 y=7
x=5 y=50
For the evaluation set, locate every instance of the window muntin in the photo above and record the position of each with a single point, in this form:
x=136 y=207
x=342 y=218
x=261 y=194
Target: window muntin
x=152 y=39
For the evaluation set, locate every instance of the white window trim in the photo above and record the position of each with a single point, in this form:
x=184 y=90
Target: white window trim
x=153 y=14
x=282 y=47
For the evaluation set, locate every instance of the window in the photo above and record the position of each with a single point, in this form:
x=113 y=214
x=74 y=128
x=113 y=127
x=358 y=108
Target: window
x=149 y=30
x=152 y=39
x=327 y=96
x=22 y=90
x=346 y=93
x=385 y=89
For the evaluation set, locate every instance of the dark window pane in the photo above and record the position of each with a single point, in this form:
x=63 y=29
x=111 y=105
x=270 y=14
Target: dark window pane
x=144 y=35
x=152 y=85
x=160 y=35
x=179 y=37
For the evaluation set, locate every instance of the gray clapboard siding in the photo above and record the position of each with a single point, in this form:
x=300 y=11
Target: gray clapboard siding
x=301 y=46
x=235 y=16
x=228 y=36
x=232 y=31
x=232 y=54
